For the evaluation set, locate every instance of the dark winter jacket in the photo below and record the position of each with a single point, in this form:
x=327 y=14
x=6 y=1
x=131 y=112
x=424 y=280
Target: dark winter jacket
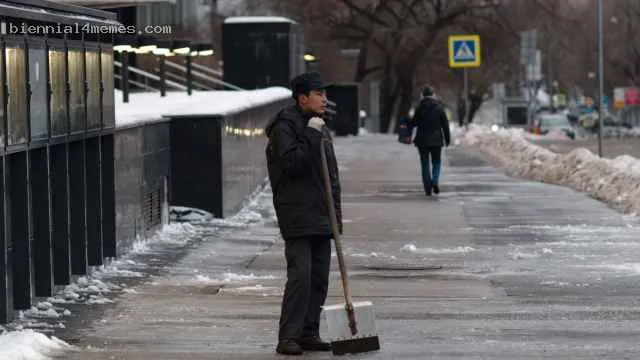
x=295 y=171
x=432 y=123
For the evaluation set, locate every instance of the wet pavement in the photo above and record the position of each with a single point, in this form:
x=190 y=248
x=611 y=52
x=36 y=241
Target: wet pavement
x=492 y=268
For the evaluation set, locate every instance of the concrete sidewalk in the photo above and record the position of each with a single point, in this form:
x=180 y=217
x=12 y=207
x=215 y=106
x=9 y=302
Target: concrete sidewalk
x=492 y=268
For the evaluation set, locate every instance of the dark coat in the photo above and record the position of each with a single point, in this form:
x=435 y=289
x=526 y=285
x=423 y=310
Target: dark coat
x=295 y=173
x=432 y=123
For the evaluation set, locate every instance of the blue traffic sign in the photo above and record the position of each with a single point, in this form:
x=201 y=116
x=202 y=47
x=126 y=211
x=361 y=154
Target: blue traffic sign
x=464 y=51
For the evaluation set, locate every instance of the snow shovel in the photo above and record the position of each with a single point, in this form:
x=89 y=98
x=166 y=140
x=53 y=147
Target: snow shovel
x=352 y=327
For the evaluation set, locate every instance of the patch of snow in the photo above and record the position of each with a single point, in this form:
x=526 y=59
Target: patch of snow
x=457 y=250
x=257 y=287
x=31 y=345
x=229 y=277
x=149 y=107
x=181 y=214
x=628 y=268
x=172 y=233
x=257 y=19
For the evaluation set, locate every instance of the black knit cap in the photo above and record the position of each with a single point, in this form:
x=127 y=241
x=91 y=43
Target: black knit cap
x=307 y=82
x=428 y=91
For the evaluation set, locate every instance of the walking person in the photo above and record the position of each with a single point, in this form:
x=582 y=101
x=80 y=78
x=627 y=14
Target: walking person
x=296 y=177
x=433 y=133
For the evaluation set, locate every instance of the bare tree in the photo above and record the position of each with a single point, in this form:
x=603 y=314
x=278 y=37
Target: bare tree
x=402 y=43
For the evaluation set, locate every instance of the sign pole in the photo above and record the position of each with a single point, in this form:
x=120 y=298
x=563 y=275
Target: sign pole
x=467 y=118
x=464 y=52
x=600 y=79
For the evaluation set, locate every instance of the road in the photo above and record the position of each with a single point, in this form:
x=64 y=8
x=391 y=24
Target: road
x=611 y=147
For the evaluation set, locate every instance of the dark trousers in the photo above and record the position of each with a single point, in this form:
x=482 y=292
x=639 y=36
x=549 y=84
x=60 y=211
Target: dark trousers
x=308 y=262
x=430 y=162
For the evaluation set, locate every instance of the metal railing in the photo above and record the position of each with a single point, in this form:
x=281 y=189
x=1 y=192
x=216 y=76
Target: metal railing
x=205 y=69
x=183 y=80
x=137 y=83
x=149 y=75
x=196 y=84
x=201 y=75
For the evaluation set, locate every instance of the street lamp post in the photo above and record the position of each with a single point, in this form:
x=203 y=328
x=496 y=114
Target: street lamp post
x=600 y=78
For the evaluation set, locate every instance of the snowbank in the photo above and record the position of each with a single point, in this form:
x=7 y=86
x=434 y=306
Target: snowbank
x=488 y=113
x=613 y=181
x=31 y=345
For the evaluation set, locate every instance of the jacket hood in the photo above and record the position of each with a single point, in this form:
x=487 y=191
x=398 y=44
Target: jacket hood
x=291 y=113
x=429 y=102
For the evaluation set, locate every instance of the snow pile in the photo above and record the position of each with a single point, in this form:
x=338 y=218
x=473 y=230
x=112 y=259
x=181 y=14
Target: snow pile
x=86 y=290
x=171 y=234
x=487 y=114
x=613 y=181
x=187 y=214
x=31 y=345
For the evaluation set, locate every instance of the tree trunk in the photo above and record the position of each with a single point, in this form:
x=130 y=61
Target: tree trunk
x=388 y=95
x=361 y=66
x=404 y=104
x=388 y=98
x=405 y=73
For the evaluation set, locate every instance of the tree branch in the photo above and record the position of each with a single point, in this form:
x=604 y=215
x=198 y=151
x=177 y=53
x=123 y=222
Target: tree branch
x=369 y=15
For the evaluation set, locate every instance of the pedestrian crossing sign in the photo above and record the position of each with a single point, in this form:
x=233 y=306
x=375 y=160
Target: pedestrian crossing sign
x=464 y=51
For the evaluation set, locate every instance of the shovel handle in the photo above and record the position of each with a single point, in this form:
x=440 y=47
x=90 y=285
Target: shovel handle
x=336 y=238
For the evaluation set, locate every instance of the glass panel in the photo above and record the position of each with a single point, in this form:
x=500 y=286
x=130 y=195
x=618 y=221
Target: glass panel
x=76 y=95
x=57 y=77
x=108 y=97
x=17 y=101
x=38 y=83
x=93 y=96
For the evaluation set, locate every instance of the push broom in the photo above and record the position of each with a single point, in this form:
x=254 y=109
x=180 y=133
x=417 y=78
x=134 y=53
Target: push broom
x=352 y=327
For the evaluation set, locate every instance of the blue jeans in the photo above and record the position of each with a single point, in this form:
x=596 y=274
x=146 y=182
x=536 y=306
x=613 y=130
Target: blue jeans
x=431 y=162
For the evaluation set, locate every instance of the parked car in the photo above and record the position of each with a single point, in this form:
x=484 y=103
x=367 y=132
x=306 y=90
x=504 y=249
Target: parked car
x=558 y=122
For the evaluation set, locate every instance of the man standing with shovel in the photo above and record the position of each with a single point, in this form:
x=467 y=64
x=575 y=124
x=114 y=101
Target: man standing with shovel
x=296 y=176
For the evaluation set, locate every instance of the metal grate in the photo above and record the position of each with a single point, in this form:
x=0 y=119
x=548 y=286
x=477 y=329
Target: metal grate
x=152 y=208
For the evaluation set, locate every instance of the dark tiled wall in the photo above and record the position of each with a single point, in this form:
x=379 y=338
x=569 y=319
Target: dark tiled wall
x=244 y=165
x=142 y=165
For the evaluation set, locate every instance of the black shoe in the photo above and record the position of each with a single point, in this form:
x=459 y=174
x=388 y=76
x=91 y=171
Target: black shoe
x=436 y=189
x=314 y=344
x=288 y=347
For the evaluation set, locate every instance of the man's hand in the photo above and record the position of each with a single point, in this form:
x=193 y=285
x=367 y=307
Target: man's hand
x=316 y=123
